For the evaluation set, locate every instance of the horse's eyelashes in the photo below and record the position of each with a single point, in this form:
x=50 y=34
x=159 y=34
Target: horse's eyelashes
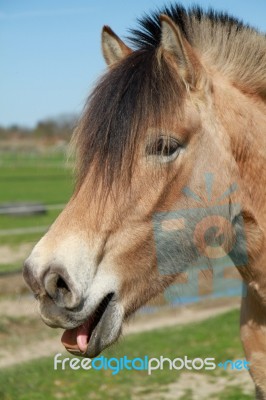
x=163 y=147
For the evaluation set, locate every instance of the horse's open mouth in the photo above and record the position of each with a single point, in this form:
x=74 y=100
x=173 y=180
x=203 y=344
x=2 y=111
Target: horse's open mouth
x=96 y=333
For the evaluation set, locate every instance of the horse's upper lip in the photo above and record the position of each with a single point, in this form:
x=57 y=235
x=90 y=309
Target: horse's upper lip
x=99 y=330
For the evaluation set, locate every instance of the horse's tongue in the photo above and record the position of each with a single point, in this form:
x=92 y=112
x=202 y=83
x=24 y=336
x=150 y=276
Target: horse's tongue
x=83 y=337
x=77 y=338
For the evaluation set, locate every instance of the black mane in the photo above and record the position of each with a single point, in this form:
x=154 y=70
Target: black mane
x=149 y=32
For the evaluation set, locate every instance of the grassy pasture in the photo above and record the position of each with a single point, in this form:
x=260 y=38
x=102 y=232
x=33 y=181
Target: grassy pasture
x=217 y=337
x=37 y=178
x=32 y=177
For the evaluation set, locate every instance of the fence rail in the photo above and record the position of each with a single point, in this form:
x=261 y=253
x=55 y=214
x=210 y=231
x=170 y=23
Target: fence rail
x=33 y=229
x=23 y=231
x=27 y=208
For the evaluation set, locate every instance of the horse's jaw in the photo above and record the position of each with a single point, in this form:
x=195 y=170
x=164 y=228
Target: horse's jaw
x=101 y=329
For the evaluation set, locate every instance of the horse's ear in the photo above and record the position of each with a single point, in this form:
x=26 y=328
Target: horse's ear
x=174 y=43
x=113 y=48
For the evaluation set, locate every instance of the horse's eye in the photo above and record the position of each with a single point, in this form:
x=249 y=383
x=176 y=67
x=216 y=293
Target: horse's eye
x=165 y=147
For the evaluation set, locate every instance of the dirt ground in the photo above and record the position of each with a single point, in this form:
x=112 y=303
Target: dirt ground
x=9 y=256
x=198 y=386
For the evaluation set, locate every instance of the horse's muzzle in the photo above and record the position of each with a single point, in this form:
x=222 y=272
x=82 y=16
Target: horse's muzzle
x=55 y=283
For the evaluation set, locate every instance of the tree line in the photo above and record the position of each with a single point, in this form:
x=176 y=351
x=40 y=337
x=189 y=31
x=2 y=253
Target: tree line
x=50 y=128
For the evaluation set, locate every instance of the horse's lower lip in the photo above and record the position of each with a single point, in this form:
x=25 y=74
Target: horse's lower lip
x=97 y=332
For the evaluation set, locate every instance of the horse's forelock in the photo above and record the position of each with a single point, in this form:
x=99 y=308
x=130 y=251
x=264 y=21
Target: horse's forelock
x=139 y=93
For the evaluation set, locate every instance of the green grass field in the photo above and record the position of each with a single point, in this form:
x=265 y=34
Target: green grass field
x=217 y=337
x=37 y=177
x=32 y=177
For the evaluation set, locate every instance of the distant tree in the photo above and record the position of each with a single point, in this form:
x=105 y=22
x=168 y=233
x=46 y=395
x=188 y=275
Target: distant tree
x=60 y=127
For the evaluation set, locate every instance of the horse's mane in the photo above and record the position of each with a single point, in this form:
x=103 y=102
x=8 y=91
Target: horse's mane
x=234 y=48
x=138 y=94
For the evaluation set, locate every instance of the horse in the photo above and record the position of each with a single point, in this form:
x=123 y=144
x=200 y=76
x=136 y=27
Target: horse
x=184 y=97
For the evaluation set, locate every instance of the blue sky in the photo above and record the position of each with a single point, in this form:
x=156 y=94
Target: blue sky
x=50 y=50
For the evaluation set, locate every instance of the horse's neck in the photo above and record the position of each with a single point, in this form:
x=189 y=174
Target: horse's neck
x=244 y=118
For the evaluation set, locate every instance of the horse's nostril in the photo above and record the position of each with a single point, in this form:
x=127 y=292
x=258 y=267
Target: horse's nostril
x=60 y=289
x=61 y=284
